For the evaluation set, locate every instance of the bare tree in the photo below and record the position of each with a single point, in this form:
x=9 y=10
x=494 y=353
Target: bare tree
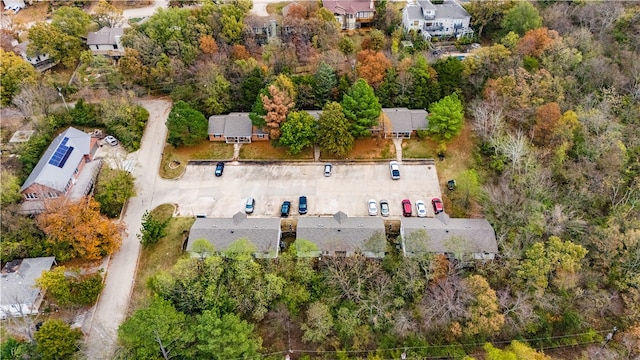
x=488 y=118
x=517 y=310
x=36 y=100
x=515 y=148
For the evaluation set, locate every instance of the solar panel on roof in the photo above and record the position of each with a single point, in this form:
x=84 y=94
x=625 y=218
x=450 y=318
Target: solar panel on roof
x=62 y=153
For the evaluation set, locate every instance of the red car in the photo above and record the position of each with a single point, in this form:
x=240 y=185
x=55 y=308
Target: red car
x=437 y=205
x=406 y=207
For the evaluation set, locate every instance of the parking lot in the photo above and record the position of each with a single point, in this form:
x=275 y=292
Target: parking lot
x=199 y=192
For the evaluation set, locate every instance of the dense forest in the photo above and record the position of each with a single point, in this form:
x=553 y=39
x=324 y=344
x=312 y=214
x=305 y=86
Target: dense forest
x=552 y=96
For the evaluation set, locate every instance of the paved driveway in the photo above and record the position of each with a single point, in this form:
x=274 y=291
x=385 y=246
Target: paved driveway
x=347 y=190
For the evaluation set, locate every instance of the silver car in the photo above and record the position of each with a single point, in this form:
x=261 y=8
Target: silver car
x=373 y=207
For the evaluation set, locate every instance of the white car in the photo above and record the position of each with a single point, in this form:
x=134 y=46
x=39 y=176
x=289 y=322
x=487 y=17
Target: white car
x=394 y=168
x=111 y=140
x=373 y=207
x=421 y=208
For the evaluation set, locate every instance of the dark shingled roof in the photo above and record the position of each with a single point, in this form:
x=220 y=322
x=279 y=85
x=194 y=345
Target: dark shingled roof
x=348 y=7
x=339 y=232
x=18 y=285
x=104 y=36
x=231 y=125
x=405 y=120
x=474 y=235
x=264 y=233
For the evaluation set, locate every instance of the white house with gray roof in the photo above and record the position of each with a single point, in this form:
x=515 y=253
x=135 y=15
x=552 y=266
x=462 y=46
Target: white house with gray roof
x=106 y=41
x=264 y=233
x=234 y=128
x=341 y=235
x=444 y=235
x=60 y=168
x=446 y=19
x=403 y=122
x=39 y=60
x=20 y=296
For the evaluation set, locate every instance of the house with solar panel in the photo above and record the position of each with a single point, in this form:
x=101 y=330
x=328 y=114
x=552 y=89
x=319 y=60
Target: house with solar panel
x=66 y=169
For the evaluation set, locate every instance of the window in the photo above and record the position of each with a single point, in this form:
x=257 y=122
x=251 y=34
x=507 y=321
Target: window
x=341 y=253
x=75 y=171
x=31 y=196
x=217 y=135
x=115 y=46
x=416 y=23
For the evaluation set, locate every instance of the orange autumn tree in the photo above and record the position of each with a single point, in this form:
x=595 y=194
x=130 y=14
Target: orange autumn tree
x=277 y=106
x=76 y=229
x=536 y=41
x=208 y=45
x=372 y=66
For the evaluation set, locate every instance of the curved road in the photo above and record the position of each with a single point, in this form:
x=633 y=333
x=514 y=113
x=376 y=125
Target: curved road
x=114 y=300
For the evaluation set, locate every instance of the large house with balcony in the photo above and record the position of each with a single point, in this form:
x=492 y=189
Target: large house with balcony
x=437 y=20
x=351 y=14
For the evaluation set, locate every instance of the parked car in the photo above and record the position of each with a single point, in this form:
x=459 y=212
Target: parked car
x=394 y=168
x=327 y=169
x=285 y=208
x=384 y=208
x=373 y=207
x=406 y=208
x=219 y=168
x=421 y=208
x=250 y=205
x=302 y=205
x=111 y=140
x=437 y=205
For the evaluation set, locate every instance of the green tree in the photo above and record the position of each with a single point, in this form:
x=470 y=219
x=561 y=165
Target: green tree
x=156 y=331
x=250 y=88
x=333 y=131
x=153 y=229
x=193 y=286
x=361 y=108
x=319 y=323
x=449 y=73
x=14 y=71
x=326 y=81
x=486 y=13
x=72 y=290
x=105 y=14
x=225 y=337
x=298 y=132
x=203 y=248
x=446 y=116
x=515 y=351
x=9 y=188
x=485 y=318
x=215 y=90
x=186 y=125
x=47 y=39
x=425 y=89
x=55 y=340
x=71 y=21
x=174 y=30
x=346 y=45
x=113 y=188
x=522 y=17
x=232 y=24
x=556 y=259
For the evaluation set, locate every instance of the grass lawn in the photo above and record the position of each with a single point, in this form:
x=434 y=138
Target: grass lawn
x=159 y=257
x=372 y=149
x=263 y=150
x=416 y=148
x=208 y=150
x=458 y=159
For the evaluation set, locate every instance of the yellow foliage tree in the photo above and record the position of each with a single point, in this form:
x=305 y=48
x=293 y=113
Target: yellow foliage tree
x=484 y=318
x=78 y=230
